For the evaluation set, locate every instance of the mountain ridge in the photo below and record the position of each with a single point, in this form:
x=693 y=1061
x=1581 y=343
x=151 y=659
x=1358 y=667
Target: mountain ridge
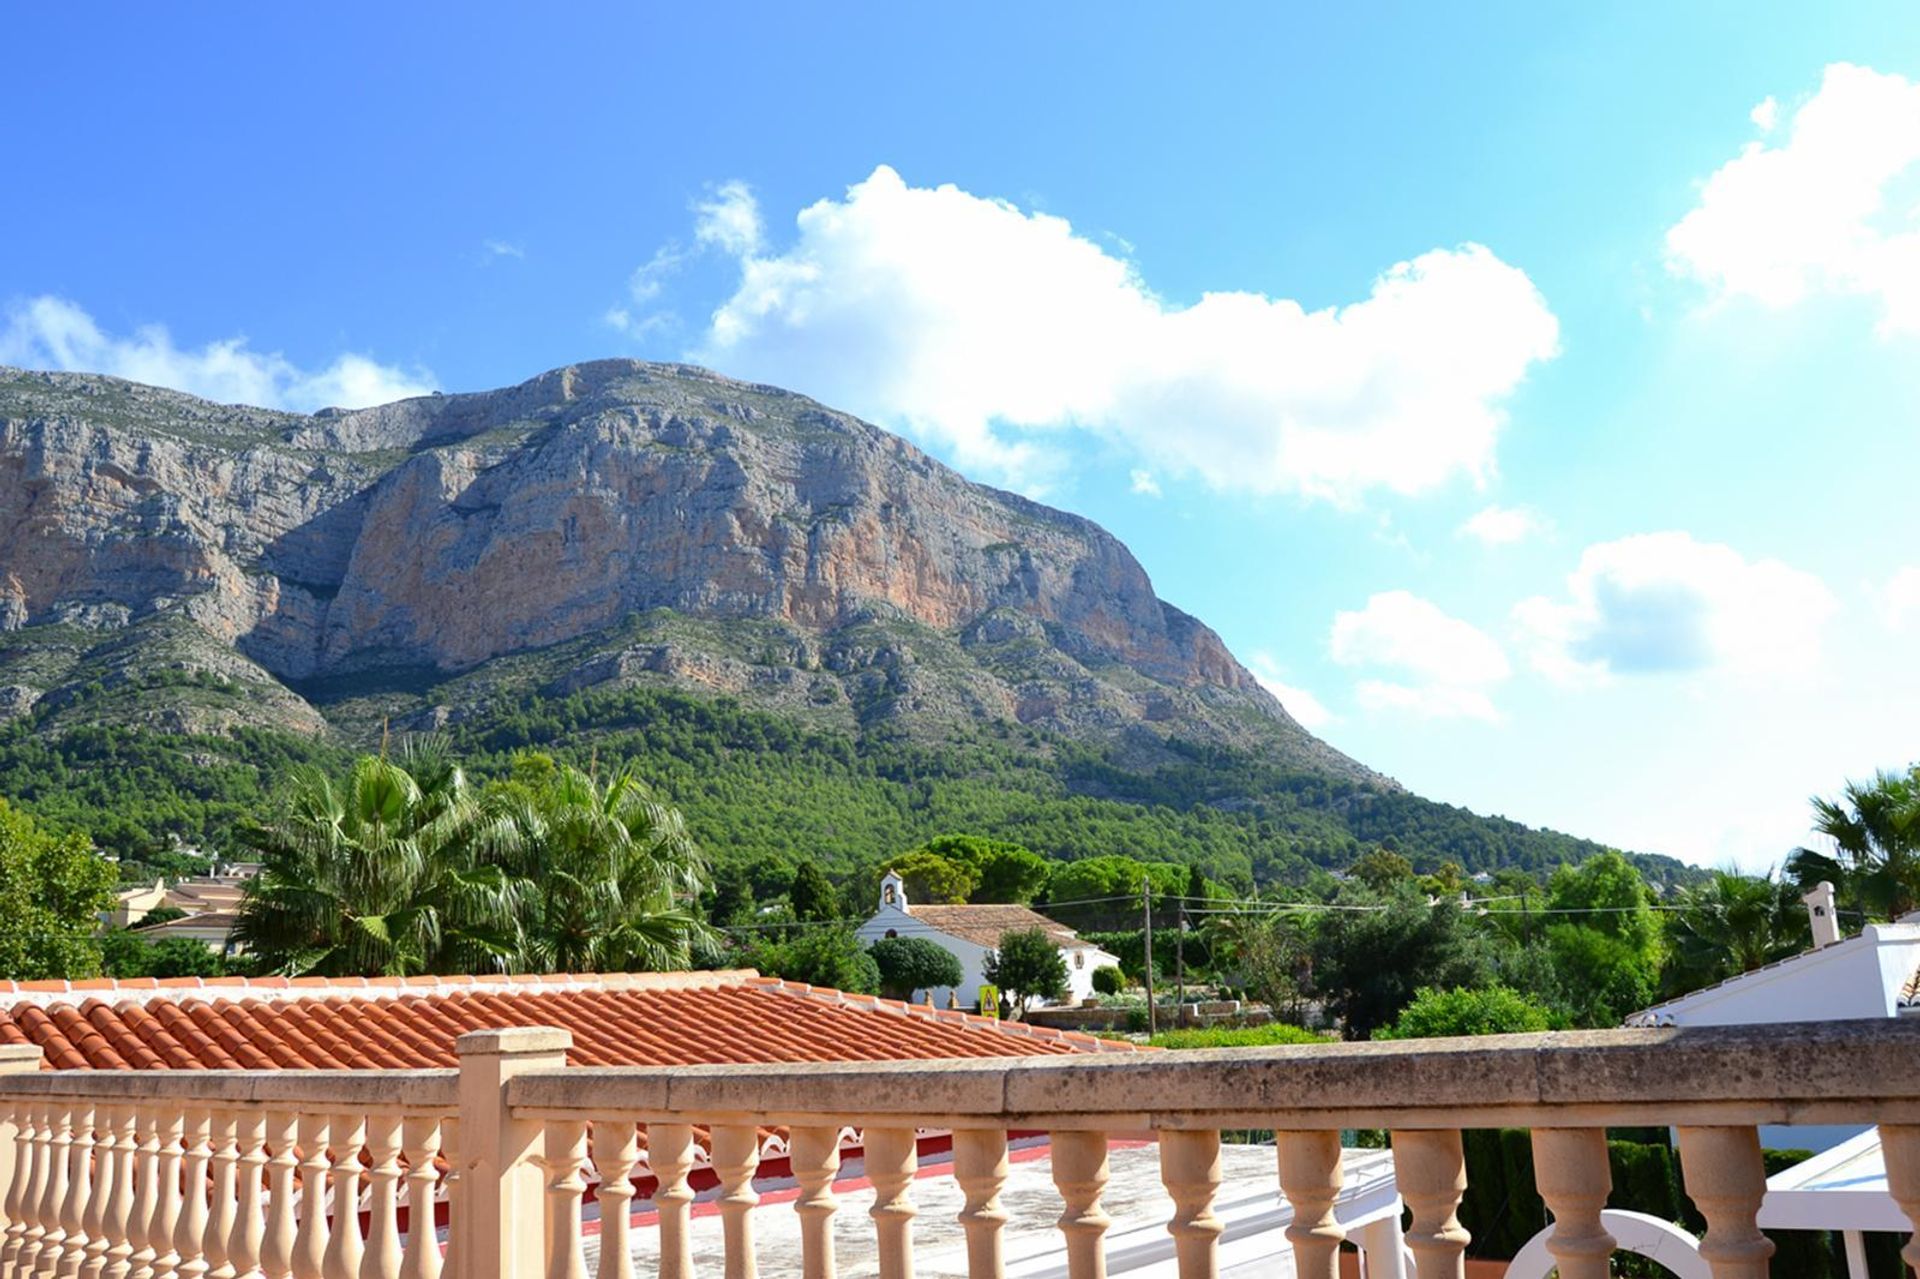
x=655 y=561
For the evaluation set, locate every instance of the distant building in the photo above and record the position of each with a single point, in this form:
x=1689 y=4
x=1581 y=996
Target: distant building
x=971 y=933
x=1874 y=974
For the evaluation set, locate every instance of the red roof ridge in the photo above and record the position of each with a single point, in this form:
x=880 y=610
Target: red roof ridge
x=284 y=989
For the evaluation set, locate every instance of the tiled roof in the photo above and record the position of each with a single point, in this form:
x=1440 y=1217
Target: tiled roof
x=985 y=925
x=617 y=1019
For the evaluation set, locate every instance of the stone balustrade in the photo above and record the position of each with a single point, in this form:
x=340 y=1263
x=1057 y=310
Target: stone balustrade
x=226 y=1175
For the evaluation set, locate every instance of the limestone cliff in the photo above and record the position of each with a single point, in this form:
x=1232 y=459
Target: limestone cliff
x=604 y=523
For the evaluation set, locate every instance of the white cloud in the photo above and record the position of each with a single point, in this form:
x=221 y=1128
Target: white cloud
x=1899 y=599
x=1447 y=665
x=1144 y=484
x=1765 y=114
x=729 y=220
x=1663 y=602
x=1810 y=215
x=983 y=328
x=1308 y=710
x=52 y=333
x=502 y=249
x=1502 y=525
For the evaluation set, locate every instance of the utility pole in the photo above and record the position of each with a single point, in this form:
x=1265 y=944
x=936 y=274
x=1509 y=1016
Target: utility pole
x=1180 y=966
x=1146 y=915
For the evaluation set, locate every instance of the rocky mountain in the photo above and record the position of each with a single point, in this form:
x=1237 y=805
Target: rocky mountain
x=188 y=566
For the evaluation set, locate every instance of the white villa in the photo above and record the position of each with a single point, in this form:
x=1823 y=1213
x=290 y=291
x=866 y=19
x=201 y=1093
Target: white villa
x=970 y=934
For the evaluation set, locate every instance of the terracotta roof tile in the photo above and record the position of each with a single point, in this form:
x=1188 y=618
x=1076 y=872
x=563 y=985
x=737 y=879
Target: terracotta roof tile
x=666 y=1019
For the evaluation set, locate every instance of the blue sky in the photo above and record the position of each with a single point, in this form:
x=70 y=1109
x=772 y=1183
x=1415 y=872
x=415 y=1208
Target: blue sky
x=1529 y=394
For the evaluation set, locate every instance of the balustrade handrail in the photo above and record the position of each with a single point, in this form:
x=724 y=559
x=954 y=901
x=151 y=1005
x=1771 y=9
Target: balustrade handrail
x=407 y=1091
x=1818 y=1072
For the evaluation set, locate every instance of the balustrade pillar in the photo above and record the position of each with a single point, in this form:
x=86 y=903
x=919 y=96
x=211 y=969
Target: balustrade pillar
x=980 y=1169
x=814 y=1154
x=564 y=1156
x=892 y=1157
x=382 y=1260
x=616 y=1149
x=341 y=1260
x=1726 y=1178
x=670 y=1158
x=308 y=1259
x=1310 y=1178
x=223 y=1206
x=452 y=1152
x=420 y=1136
x=1080 y=1175
x=1900 y=1150
x=146 y=1204
x=279 y=1239
x=79 y=1199
x=166 y=1213
x=504 y=1183
x=26 y=1227
x=16 y=1159
x=248 y=1228
x=1570 y=1170
x=190 y=1234
x=1432 y=1173
x=1190 y=1170
x=116 y=1220
x=736 y=1155
x=53 y=1192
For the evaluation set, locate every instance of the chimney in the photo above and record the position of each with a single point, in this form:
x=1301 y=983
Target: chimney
x=1826 y=925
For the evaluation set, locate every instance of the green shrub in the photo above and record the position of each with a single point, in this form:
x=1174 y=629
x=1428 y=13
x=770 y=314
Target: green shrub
x=908 y=964
x=1494 y=1010
x=1108 y=980
x=1236 y=1036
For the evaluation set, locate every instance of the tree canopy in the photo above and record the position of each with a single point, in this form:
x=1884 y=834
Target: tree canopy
x=1027 y=966
x=907 y=964
x=52 y=888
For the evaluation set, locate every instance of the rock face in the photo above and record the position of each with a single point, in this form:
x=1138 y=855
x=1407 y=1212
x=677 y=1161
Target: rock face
x=628 y=521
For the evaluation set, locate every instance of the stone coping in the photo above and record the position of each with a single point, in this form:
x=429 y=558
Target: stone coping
x=1859 y=1072
x=425 y=1090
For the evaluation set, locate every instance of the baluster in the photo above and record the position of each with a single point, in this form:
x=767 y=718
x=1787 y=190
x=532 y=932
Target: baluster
x=112 y=1194
x=222 y=1208
x=670 y=1156
x=1570 y=1170
x=190 y=1235
x=980 y=1168
x=420 y=1136
x=341 y=1258
x=616 y=1148
x=249 y=1220
x=736 y=1154
x=1080 y=1175
x=37 y=1122
x=564 y=1155
x=1726 y=1178
x=891 y=1159
x=382 y=1260
x=79 y=1200
x=278 y=1241
x=1900 y=1150
x=25 y=1133
x=814 y=1154
x=1190 y=1170
x=53 y=1194
x=1310 y=1177
x=166 y=1213
x=450 y=1190
x=311 y=1237
x=146 y=1204
x=1432 y=1173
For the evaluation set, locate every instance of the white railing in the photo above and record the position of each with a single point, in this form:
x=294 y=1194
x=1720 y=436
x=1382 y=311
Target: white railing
x=339 y=1175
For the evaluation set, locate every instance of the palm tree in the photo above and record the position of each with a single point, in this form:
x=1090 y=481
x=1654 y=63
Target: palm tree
x=376 y=877
x=609 y=872
x=1732 y=924
x=1875 y=829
